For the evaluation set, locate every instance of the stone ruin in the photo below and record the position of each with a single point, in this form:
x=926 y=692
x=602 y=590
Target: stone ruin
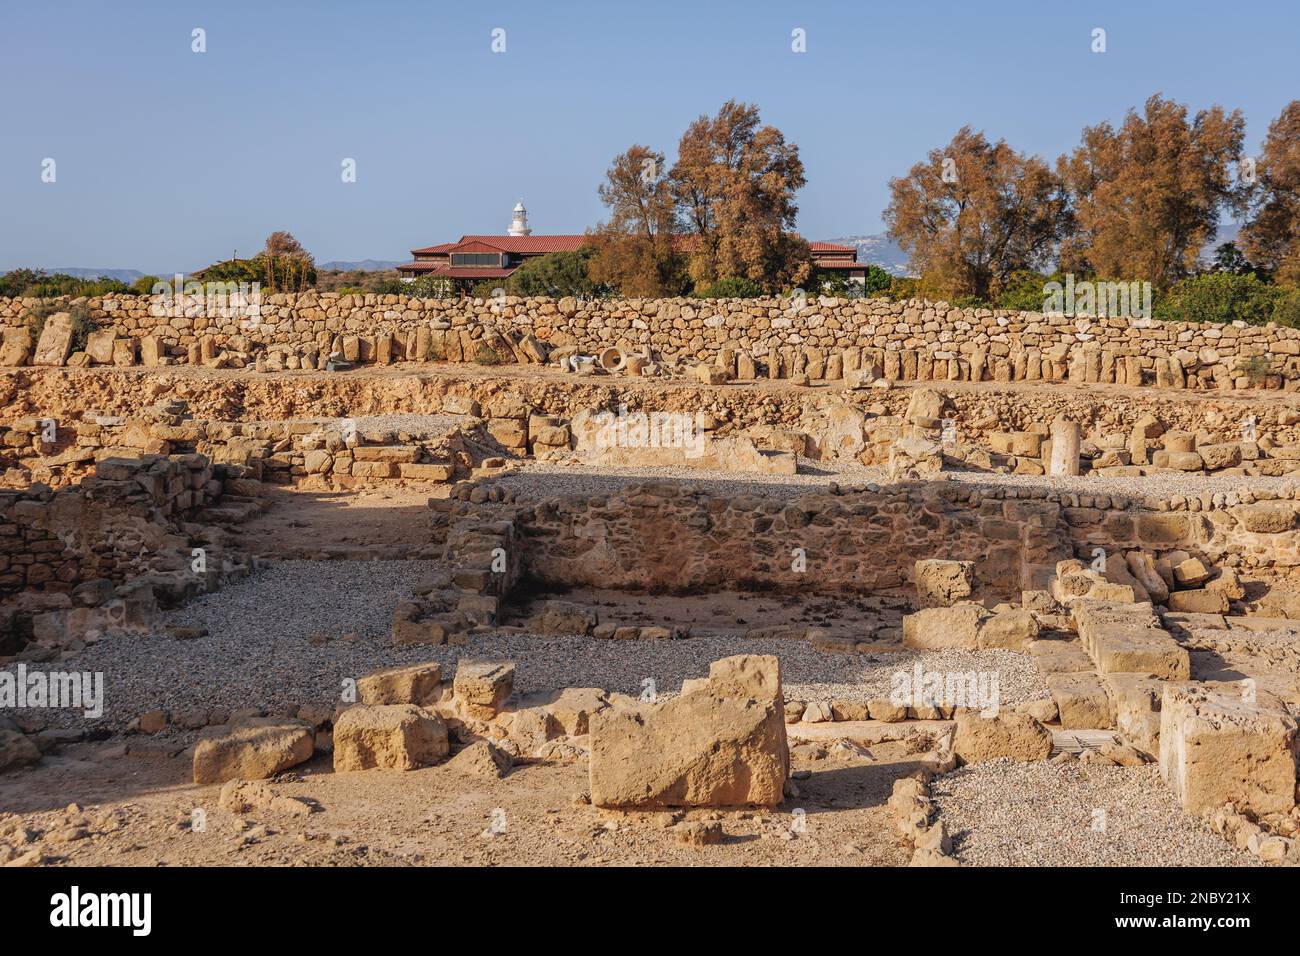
x=1113 y=515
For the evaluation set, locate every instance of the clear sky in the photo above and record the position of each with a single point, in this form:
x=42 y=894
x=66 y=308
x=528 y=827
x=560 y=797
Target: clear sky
x=169 y=159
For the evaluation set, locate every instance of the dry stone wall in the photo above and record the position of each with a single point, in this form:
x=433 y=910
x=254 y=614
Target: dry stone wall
x=825 y=338
x=667 y=537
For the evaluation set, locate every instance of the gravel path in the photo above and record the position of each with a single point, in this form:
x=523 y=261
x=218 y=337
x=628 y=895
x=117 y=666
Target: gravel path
x=1035 y=814
x=545 y=479
x=259 y=651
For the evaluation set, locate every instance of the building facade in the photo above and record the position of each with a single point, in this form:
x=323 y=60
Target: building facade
x=474 y=259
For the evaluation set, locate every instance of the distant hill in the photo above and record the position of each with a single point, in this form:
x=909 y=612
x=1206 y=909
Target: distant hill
x=877 y=250
x=365 y=265
x=122 y=275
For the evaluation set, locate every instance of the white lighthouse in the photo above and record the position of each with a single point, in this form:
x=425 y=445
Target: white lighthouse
x=519 y=221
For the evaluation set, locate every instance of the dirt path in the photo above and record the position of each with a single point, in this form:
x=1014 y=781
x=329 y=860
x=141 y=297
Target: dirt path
x=138 y=808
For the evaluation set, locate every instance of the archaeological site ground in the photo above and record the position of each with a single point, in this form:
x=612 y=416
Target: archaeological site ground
x=661 y=458
x=374 y=581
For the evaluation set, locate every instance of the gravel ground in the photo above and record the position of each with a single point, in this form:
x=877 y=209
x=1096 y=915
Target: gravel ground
x=419 y=426
x=259 y=651
x=1005 y=813
x=545 y=479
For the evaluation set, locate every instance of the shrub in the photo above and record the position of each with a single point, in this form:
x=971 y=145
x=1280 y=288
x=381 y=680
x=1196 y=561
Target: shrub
x=732 y=287
x=1219 y=297
x=555 y=274
x=82 y=323
x=1023 y=291
x=144 y=285
x=1286 y=308
x=1256 y=368
x=424 y=287
x=900 y=288
x=486 y=355
x=834 y=282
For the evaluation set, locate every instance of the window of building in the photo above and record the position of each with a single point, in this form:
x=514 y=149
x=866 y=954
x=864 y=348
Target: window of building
x=475 y=259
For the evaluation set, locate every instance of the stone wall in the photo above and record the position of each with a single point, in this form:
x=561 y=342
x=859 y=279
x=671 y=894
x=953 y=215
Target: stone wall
x=670 y=538
x=111 y=526
x=826 y=338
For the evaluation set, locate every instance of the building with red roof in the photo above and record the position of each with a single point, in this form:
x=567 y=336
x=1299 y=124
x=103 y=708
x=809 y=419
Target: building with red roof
x=475 y=258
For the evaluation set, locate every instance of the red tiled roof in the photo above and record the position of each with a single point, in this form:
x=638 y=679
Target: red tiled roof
x=536 y=244
x=433 y=250
x=524 y=245
x=837 y=264
x=476 y=245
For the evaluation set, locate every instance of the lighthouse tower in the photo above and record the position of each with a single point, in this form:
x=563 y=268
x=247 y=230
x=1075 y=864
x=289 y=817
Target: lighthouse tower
x=519 y=221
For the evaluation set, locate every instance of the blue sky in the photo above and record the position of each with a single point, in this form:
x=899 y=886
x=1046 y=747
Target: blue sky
x=169 y=159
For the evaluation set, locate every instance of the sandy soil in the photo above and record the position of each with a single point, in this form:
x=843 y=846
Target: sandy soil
x=138 y=808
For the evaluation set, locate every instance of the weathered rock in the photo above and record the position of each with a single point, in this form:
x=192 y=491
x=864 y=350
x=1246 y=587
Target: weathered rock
x=56 y=340
x=253 y=749
x=482 y=759
x=413 y=684
x=1012 y=735
x=389 y=737
x=939 y=628
x=563 y=617
x=1218 y=748
x=1199 y=601
x=719 y=745
x=942 y=583
x=483 y=687
x=1008 y=629
x=16 y=750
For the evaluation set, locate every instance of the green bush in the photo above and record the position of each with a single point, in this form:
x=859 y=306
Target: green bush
x=1024 y=290
x=486 y=355
x=900 y=288
x=32 y=283
x=144 y=285
x=877 y=280
x=424 y=287
x=555 y=274
x=1219 y=297
x=733 y=287
x=82 y=326
x=1286 y=307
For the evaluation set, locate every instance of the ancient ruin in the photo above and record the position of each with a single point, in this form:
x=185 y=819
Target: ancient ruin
x=770 y=580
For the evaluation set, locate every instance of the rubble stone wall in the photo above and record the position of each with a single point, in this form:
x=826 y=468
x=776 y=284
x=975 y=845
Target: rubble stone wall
x=114 y=526
x=666 y=537
x=912 y=340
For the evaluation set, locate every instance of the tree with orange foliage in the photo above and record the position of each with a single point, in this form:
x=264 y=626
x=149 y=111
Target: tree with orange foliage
x=1147 y=196
x=635 y=250
x=735 y=181
x=1271 y=236
x=974 y=213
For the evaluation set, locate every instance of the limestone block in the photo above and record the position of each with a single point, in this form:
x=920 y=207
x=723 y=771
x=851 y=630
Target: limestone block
x=1217 y=748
